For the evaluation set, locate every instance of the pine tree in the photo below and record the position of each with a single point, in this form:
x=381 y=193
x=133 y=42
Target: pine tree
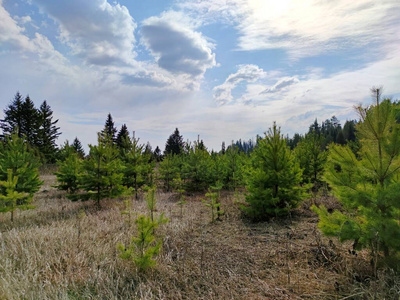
x=174 y=143
x=15 y=156
x=169 y=170
x=312 y=157
x=48 y=133
x=10 y=199
x=367 y=186
x=102 y=173
x=69 y=173
x=109 y=131
x=137 y=167
x=274 y=179
x=77 y=145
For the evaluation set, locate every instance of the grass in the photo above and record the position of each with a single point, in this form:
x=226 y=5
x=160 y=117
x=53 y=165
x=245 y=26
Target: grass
x=67 y=250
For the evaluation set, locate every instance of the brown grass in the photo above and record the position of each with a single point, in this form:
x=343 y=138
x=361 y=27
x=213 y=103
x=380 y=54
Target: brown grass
x=67 y=250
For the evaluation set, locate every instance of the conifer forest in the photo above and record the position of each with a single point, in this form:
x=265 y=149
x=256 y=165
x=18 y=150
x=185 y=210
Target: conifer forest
x=315 y=215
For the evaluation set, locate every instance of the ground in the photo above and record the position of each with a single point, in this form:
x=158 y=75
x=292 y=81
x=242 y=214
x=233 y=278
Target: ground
x=67 y=250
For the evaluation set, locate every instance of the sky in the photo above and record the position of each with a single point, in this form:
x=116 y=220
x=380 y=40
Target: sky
x=221 y=69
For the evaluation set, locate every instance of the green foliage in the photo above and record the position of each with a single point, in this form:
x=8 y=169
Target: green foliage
x=213 y=203
x=15 y=155
x=11 y=199
x=151 y=202
x=138 y=170
x=169 y=170
x=274 y=178
x=77 y=146
x=368 y=186
x=69 y=174
x=102 y=173
x=146 y=245
x=196 y=168
x=312 y=157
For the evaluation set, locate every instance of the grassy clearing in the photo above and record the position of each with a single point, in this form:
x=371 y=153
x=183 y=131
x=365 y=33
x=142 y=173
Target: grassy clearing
x=67 y=250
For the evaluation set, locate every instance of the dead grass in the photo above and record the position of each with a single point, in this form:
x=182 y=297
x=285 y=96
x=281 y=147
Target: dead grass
x=67 y=250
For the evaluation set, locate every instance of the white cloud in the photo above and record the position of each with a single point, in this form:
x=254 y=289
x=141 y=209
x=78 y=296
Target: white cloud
x=176 y=46
x=101 y=33
x=247 y=73
x=303 y=28
x=11 y=34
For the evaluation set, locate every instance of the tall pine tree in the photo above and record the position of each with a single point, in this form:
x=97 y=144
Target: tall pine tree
x=109 y=131
x=368 y=186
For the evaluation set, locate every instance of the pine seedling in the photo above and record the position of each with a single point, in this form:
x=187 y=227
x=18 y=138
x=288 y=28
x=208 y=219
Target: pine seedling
x=213 y=204
x=217 y=190
x=11 y=200
x=178 y=184
x=127 y=210
x=146 y=245
x=151 y=202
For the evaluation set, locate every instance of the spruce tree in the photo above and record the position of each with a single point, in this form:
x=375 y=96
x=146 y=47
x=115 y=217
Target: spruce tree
x=368 y=186
x=123 y=135
x=48 y=133
x=274 y=178
x=12 y=121
x=109 y=131
x=77 y=145
x=30 y=122
x=174 y=144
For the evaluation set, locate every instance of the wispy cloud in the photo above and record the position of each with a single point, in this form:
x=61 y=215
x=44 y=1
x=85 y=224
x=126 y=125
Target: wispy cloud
x=303 y=28
x=281 y=84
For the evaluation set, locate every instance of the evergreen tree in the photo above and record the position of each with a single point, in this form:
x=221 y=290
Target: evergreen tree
x=138 y=170
x=15 y=156
x=77 y=145
x=157 y=154
x=47 y=133
x=349 y=131
x=13 y=117
x=311 y=157
x=274 y=179
x=169 y=170
x=109 y=131
x=69 y=173
x=102 y=173
x=174 y=143
x=122 y=136
x=368 y=186
x=11 y=199
x=30 y=122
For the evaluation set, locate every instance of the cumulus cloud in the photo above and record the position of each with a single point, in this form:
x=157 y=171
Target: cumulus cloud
x=247 y=73
x=281 y=84
x=177 y=48
x=101 y=33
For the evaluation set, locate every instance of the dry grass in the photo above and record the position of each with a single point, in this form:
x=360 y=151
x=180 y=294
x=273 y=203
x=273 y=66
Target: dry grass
x=59 y=252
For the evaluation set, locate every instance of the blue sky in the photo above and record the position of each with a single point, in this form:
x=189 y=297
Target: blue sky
x=221 y=69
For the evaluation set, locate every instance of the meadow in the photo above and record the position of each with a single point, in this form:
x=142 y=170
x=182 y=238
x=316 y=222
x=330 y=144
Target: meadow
x=67 y=250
